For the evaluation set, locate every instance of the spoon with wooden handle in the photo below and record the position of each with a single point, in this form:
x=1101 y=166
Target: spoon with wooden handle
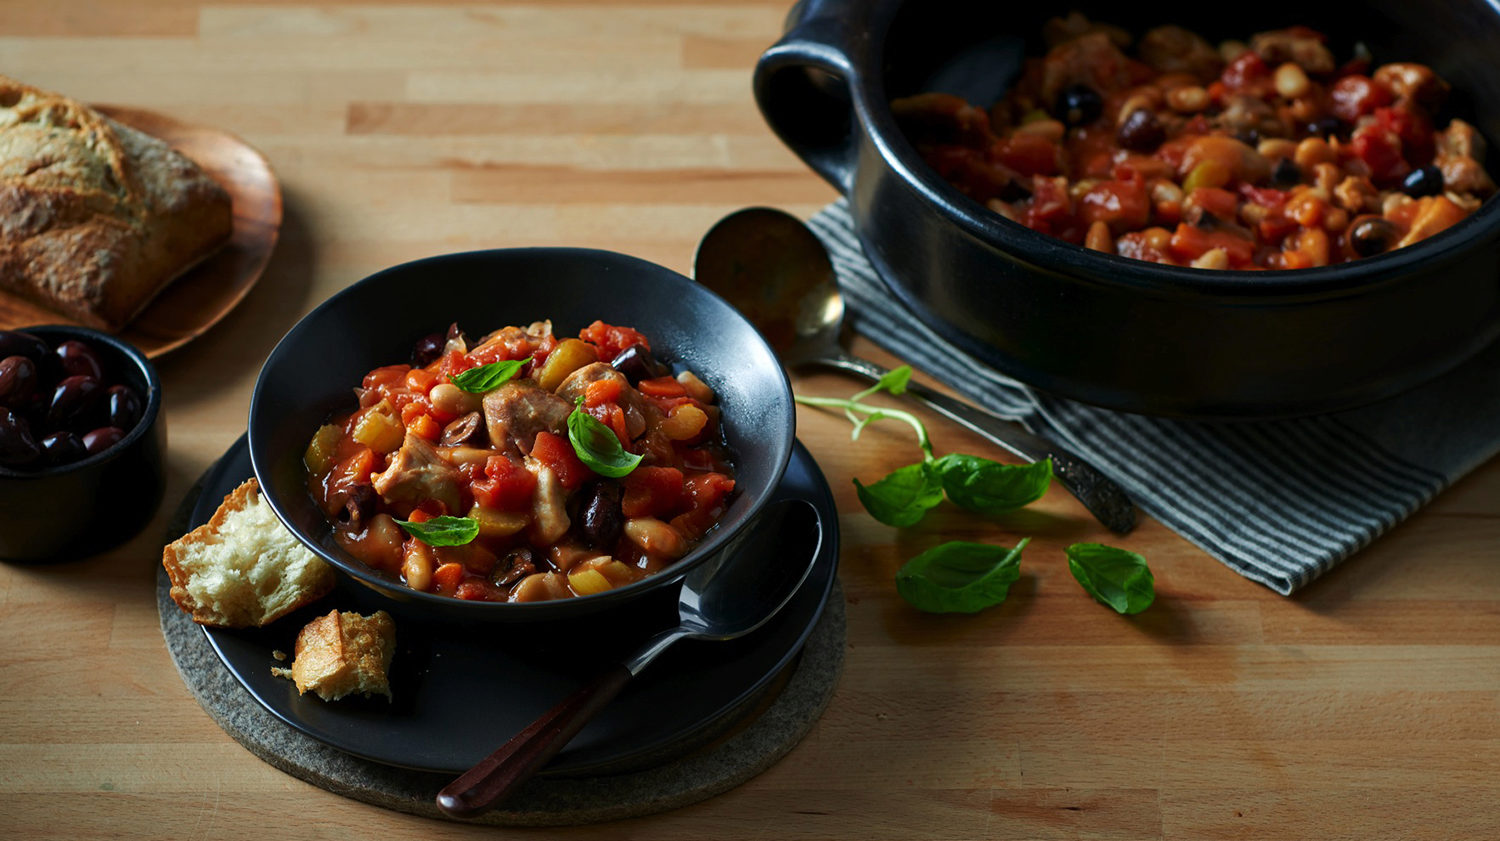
x=777 y=273
x=731 y=594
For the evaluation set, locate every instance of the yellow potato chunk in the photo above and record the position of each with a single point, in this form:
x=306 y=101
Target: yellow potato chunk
x=567 y=357
x=586 y=582
x=380 y=429
x=320 y=450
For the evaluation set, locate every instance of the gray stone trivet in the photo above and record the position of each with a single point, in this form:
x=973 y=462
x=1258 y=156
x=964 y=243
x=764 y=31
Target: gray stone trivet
x=753 y=748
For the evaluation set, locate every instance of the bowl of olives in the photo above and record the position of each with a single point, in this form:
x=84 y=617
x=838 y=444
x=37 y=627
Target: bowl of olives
x=82 y=442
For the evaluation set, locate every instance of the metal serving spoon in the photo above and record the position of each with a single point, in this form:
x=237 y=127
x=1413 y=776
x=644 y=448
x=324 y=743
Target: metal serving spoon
x=733 y=593
x=776 y=272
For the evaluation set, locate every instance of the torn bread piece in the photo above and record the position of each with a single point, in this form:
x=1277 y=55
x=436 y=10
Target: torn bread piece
x=343 y=653
x=243 y=568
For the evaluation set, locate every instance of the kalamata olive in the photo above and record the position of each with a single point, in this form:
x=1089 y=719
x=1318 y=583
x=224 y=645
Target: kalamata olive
x=1371 y=235
x=74 y=402
x=18 y=381
x=17 y=447
x=21 y=343
x=637 y=363
x=62 y=448
x=602 y=519
x=1078 y=105
x=516 y=565
x=427 y=350
x=465 y=430
x=1423 y=181
x=122 y=407
x=77 y=359
x=1250 y=137
x=98 y=440
x=1141 y=131
x=1324 y=127
x=1286 y=173
x=359 y=507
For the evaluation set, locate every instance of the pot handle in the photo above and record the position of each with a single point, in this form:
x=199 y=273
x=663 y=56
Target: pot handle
x=802 y=85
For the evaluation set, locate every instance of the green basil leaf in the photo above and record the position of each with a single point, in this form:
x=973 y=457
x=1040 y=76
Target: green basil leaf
x=597 y=445
x=960 y=577
x=903 y=497
x=443 y=531
x=489 y=377
x=894 y=381
x=1116 y=577
x=990 y=487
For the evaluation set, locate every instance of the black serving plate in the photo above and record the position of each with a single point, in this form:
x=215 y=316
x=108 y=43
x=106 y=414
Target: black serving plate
x=462 y=692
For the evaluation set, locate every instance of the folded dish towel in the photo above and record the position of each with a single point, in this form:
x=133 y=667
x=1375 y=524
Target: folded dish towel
x=1280 y=502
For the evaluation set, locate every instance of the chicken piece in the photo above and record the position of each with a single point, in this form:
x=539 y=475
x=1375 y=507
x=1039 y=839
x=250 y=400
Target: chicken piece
x=1244 y=114
x=417 y=473
x=1413 y=83
x=1460 y=148
x=1461 y=139
x=1172 y=49
x=549 y=505
x=1298 y=44
x=516 y=411
x=577 y=383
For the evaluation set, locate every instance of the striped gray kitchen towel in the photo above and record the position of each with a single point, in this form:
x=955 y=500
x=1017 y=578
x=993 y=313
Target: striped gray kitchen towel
x=1280 y=502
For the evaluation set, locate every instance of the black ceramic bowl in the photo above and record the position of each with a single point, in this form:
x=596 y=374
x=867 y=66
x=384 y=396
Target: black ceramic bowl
x=77 y=509
x=1108 y=330
x=311 y=374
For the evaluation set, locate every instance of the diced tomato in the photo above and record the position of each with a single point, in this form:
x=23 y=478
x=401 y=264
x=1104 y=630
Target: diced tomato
x=1275 y=227
x=1380 y=149
x=555 y=452
x=661 y=387
x=1051 y=207
x=420 y=516
x=1414 y=129
x=613 y=417
x=1028 y=153
x=653 y=492
x=505 y=486
x=1355 y=96
x=1190 y=242
x=412 y=410
x=387 y=377
x=1263 y=196
x=420 y=380
x=354 y=470
x=424 y=427
x=602 y=391
x=706 y=493
x=455 y=362
x=446 y=578
x=610 y=339
x=1244 y=71
x=1219 y=202
x=1123 y=205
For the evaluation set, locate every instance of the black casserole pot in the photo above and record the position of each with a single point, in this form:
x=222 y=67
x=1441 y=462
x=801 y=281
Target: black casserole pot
x=1111 y=331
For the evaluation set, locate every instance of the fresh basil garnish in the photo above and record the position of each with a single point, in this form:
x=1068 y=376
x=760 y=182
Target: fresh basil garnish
x=960 y=577
x=482 y=378
x=443 y=531
x=597 y=445
x=1114 y=576
x=989 y=487
x=904 y=496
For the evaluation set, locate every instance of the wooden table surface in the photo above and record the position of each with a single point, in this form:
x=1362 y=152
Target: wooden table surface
x=1368 y=706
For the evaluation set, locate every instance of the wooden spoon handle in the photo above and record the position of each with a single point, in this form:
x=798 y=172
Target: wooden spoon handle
x=498 y=774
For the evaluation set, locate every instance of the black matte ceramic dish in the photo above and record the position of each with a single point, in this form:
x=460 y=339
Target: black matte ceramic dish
x=459 y=695
x=310 y=375
x=77 y=509
x=1105 y=329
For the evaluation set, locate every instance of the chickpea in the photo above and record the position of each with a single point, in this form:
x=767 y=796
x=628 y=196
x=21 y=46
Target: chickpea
x=1188 y=100
x=696 y=388
x=656 y=538
x=1214 y=258
x=449 y=399
x=1312 y=151
x=1098 y=237
x=1291 y=80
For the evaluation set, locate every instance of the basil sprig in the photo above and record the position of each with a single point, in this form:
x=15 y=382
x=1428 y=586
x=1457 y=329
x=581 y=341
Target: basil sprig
x=960 y=577
x=967 y=577
x=1116 y=577
x=443 y=531
x=597 y=445
x=482 y=378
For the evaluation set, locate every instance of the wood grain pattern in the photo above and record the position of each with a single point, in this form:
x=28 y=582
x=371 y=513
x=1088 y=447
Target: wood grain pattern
x=205 y=293
x=1366 y=707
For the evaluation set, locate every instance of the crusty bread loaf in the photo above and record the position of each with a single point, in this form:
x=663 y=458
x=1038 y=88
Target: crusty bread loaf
x=96 y=218
x=243 y=568
x=343 y=653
